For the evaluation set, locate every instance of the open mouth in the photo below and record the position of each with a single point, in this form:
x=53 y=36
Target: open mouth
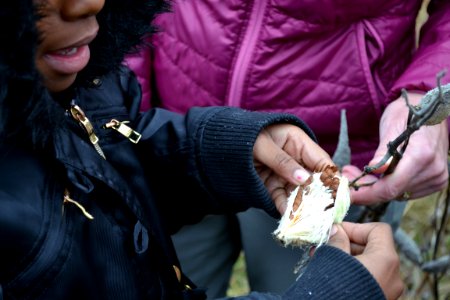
x=67 y=51
x=68 y=60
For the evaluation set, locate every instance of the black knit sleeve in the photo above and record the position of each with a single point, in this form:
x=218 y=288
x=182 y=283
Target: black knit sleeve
x=330 y=274
x=333 y=274
x=202 y=162
x=225 y=149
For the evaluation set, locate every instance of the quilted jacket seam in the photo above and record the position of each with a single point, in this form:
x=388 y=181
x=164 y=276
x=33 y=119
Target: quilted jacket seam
x=192 y=49
x=188 y=77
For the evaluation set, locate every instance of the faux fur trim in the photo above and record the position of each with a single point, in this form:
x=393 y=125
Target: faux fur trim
x=27 y=111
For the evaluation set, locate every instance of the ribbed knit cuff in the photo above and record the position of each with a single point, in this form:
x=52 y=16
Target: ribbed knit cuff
x=226 y=148
x=333 y=274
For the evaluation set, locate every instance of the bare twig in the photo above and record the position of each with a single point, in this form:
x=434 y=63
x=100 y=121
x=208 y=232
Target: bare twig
x=432 y=109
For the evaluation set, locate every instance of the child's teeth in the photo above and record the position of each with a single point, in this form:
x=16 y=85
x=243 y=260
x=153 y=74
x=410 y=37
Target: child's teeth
x=68 y=51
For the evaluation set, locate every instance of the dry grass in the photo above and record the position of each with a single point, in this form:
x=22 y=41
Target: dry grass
x=238 y=282
x=421 y=220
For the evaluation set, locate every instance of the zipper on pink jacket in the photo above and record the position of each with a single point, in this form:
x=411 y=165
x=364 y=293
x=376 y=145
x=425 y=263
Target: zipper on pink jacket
x=244 y=56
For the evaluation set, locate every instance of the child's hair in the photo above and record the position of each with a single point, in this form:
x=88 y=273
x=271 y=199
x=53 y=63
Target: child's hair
x=123 y=25
x=26 y=109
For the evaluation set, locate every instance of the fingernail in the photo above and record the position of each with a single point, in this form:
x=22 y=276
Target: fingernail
x=301 y=175
x=333 y=230
x=377 y=159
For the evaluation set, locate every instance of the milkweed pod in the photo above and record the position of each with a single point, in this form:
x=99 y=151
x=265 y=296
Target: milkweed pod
x=313 y=208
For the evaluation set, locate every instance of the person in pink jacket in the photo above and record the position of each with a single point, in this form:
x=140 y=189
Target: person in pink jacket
x=312 y=59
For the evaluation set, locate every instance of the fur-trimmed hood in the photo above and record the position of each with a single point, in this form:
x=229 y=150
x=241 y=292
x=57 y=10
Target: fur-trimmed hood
x=25 y=105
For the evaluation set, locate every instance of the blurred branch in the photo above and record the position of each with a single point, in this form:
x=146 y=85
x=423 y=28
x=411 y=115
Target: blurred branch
x=342 y=154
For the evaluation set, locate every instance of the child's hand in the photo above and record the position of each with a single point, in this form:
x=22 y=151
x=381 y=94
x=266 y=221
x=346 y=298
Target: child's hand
x=283 y=153
x=373 y=245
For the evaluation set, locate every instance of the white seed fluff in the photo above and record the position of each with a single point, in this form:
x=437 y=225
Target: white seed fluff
x=312 y=221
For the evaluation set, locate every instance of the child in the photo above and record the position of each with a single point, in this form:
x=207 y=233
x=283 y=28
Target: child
x=91 y=190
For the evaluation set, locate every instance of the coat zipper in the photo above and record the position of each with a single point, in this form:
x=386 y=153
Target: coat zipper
x=78 y=114
x=245 y=53
x=67 y=200
x=124 y=130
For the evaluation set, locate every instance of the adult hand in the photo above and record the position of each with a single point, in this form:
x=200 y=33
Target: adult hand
x=421 y=171
x=373 y=245
x=284 y=155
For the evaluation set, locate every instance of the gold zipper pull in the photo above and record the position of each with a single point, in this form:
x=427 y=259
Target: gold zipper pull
x=78 y=114
x=125 y=130
x=67 y=199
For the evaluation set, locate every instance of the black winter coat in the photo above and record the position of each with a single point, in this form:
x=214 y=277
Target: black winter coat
x=182 y=168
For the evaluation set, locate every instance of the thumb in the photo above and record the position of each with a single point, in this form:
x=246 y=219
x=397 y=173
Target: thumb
x=339 y=239
x=378 y=156
x=393 y=122
x=267 y=153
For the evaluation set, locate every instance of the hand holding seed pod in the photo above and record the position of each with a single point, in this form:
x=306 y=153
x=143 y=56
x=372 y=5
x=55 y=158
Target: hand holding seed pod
x=420 y=172
x=313 y=208
x=432 y=110
x=322 y=200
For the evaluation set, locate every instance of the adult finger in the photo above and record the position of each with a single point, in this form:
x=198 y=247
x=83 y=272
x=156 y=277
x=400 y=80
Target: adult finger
x=405 y=178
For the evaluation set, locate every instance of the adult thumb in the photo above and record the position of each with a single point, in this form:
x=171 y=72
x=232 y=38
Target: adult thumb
x=377 y=159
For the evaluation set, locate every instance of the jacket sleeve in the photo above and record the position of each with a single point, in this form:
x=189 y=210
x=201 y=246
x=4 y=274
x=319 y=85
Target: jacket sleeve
x=331 y=274
x=204 y=160
x=433 y=53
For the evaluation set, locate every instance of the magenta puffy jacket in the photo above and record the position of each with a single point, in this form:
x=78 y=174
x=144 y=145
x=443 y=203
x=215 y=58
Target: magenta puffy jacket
x=311 y=58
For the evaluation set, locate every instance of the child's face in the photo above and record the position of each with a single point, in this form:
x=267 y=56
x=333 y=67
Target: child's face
x=66 y=29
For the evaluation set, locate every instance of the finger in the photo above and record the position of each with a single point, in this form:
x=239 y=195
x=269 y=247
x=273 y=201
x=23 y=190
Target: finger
x=362 y=194
x=370 y=235
x=304 y=150
x=394 y=185
x=279 y=191
x=405 y=178
x=314 y=157
x=424 y=162
x=393 y=122
x=382 y=190
x=382 y=151
x=356 y=249
x=381 y=169
x=351 y=171
x=280 y=200
x=278 y=188
x=339 y=239
x=379 y=255
x=386 y=188
x=267 y=152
